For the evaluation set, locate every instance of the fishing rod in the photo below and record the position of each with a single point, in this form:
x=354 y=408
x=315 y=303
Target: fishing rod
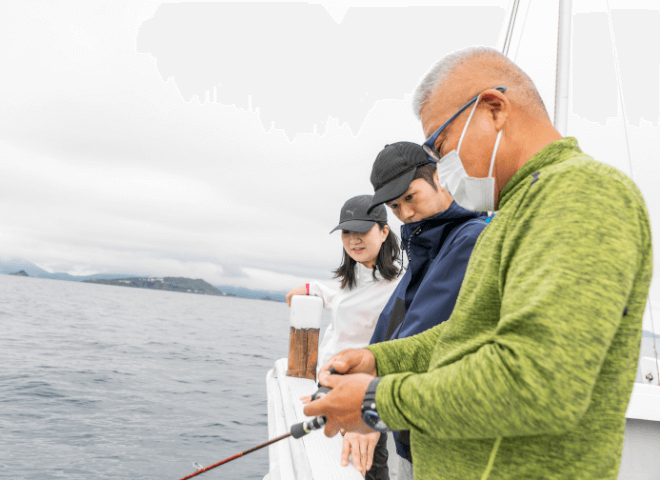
x=298 y=430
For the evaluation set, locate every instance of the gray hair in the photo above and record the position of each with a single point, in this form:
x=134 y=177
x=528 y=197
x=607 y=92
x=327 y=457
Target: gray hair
x=503 y=71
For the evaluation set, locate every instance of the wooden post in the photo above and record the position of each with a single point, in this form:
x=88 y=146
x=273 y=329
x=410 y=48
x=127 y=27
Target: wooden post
x=304 y=337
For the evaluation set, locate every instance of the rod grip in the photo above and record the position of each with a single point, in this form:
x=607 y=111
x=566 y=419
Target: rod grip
x=298 y=430
x=303 y=428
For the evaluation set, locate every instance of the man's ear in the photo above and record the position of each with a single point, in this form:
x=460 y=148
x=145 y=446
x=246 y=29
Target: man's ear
x=436 y=179
x=499 y=106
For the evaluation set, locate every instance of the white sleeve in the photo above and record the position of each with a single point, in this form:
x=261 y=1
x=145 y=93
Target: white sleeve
x=325 y=293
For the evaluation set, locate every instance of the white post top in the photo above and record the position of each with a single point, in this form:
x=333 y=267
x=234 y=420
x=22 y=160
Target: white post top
x=306 y=311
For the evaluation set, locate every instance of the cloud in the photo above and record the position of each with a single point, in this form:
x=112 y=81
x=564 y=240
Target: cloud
x=115 y=158
x=295 y=64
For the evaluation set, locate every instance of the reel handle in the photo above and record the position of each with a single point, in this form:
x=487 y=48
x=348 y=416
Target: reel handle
x=303 y=428
x=323 y=391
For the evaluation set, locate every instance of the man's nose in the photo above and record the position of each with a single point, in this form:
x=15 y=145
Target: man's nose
x=406 y=212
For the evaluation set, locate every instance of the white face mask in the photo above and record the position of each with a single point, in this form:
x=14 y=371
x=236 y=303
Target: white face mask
x=475 y=194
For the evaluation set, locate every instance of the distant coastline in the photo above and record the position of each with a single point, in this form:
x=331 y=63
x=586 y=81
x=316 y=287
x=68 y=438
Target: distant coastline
x=172 y=284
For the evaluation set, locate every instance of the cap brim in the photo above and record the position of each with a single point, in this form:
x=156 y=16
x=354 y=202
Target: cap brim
x=360 y=226
x=392 y=190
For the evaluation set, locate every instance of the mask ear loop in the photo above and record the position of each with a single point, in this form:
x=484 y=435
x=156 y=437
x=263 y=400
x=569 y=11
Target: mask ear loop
x=460 y=141
x=492 y=159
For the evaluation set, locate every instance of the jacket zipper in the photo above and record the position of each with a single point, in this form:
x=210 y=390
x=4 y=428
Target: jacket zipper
x=416 y=232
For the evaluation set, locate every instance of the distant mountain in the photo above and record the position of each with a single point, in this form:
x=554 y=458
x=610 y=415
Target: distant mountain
x=20 y=274
x=32 y=270
x=16 y=265
x=256 y=294
x=172 y=284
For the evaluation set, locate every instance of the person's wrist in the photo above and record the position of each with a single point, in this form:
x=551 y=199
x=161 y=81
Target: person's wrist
x=372 y=361
x=369 y=399
x=369 y=412
x=307 y=288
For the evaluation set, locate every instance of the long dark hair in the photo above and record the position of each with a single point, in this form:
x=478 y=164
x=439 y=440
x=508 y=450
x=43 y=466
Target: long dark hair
x=389 y=256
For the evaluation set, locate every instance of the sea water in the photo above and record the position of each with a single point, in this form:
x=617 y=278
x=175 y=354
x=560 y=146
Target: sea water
x=105 y=382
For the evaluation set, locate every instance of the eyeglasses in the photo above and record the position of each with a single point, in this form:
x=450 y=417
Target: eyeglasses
x=429 y=144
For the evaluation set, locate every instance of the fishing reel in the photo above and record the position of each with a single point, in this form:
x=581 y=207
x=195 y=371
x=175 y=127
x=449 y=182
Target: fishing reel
x=301 y=429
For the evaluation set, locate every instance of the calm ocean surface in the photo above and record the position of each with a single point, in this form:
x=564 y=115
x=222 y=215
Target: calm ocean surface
x=104 y=382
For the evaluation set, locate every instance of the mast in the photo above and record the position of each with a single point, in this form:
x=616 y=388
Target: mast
x=563 y=65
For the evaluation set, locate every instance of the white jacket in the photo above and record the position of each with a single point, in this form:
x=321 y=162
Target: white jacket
x=354 y=312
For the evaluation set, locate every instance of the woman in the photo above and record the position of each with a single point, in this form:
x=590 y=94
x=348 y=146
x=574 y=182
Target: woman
x=368 y=275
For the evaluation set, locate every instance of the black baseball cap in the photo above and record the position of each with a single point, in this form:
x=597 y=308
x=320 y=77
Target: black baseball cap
x=394 y=169
x=354 y=216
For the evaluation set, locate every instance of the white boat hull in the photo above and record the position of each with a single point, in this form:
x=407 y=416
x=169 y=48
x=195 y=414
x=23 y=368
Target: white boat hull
x=314 y=456
x=317 y=457
x=641 y=446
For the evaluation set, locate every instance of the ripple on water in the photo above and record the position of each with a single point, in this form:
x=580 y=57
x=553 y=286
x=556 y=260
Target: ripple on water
x=81 y=402
x=13 y=376
x=108 y=383
x=215 y=425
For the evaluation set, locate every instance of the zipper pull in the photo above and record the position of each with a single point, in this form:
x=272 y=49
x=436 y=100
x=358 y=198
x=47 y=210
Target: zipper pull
x=416 y=232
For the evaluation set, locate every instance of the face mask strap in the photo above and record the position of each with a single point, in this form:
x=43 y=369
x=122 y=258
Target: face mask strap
x=492 y=159
x=460 y=141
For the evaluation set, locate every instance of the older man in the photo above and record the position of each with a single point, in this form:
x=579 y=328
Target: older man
x=531 y=375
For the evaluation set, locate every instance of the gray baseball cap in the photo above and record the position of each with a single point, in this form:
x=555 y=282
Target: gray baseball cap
x=354 y=216
x=394 y=169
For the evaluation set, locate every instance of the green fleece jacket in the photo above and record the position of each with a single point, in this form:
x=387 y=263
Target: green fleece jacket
x=531 y=375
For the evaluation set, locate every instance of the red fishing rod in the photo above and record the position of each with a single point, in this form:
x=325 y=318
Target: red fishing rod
x=297 y=431
x=234 y=457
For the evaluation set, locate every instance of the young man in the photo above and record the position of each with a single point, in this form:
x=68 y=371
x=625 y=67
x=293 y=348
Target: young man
x=532 y=375
x=438 y=236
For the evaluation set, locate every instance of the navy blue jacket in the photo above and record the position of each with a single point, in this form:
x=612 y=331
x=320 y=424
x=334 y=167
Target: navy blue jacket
x=438 y=252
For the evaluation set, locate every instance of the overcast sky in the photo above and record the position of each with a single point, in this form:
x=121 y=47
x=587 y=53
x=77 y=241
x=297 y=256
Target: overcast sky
x=219 y=140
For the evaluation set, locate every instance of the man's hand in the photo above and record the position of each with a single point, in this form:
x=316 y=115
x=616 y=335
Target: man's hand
x=357 y=360
x=362 y=448
x=342 y=405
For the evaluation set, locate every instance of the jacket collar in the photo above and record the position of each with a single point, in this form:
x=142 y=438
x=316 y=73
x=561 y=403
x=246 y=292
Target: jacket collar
x=453 y=213
x=553 y=153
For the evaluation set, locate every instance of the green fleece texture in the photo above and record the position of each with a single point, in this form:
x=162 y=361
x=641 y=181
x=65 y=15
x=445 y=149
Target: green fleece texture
x=538 y=349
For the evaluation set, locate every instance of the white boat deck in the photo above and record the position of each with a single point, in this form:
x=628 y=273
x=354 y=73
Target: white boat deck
x=317 y=457
x=641 y=445
x=314 y=456
x=644 y=403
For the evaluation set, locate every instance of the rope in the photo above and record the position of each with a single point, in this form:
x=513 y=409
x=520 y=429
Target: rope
x=522 y=32
x=509 y=30
x=625 y=129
